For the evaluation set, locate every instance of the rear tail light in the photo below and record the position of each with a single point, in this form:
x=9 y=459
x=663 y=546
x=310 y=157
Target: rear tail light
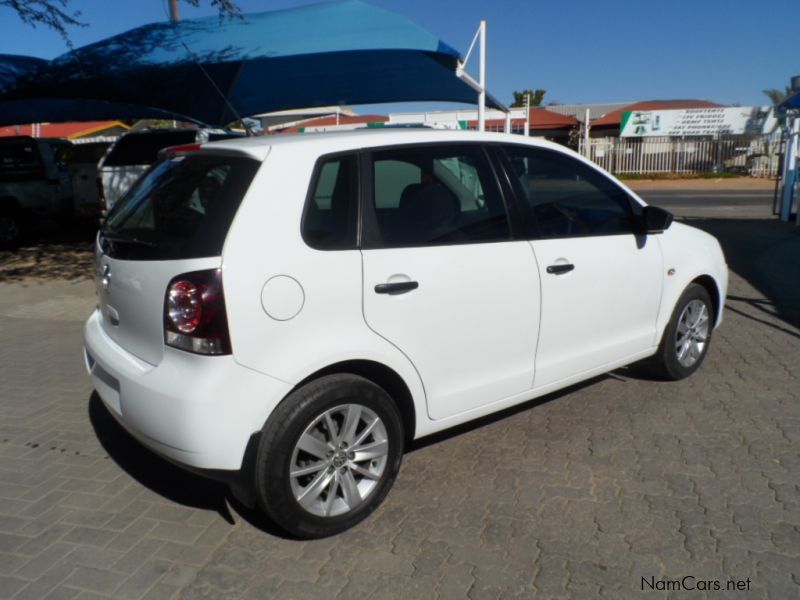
x=194 y=313
x=170 y=151
x=101 y=193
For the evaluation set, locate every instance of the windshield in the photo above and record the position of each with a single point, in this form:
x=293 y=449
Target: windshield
x=181 y=208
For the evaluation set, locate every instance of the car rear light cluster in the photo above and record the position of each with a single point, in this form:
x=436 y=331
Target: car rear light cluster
x=194 y=313
x=101 y=193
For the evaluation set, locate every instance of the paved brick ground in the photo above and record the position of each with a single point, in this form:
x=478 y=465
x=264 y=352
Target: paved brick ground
x=579 y=495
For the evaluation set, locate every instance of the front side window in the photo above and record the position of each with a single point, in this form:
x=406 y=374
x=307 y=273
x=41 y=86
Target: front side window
x=330 y=219
x=565 y=197
x=436 y=195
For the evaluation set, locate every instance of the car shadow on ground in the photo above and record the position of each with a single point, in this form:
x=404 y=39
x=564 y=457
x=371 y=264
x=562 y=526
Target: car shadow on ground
x=190 y=489
x=152 y=471
x=166 y=479
x=459 y=430
x=766 y=253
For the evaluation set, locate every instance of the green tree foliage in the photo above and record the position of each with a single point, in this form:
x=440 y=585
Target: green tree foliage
x=777 y=96
x=537 y=96
x=57 y=15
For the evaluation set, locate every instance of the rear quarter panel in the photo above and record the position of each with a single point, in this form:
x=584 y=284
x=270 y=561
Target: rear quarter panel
x=265 y=241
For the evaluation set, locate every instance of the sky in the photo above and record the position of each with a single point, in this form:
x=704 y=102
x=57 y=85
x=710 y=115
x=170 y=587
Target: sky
x=580 y=51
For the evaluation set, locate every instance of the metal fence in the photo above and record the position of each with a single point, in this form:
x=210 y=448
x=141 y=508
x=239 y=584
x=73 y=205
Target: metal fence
x=758 y=156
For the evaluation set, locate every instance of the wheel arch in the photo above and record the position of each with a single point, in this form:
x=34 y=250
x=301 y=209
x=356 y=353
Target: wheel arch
x=381 y=375
x=710 y=285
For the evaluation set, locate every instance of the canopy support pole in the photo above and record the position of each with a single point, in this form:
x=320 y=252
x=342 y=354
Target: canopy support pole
x=790 y=169
x=482 y=79
x=527 y=115
x=480 y=85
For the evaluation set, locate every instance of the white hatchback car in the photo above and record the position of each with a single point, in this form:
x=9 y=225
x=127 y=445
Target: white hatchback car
x=285 y=313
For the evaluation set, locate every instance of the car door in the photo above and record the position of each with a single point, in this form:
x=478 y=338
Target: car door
x=443 y=280
x=601 y=280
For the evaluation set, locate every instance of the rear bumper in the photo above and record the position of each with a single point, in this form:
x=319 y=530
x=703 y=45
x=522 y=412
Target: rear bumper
x=197 y=411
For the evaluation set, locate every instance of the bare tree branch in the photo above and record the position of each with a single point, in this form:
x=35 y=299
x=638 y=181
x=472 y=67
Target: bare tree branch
x=50 y=13
x=56 y=15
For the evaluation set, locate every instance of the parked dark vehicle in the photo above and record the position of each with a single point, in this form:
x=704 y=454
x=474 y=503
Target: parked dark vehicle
x=81 y=159
x=34 y=184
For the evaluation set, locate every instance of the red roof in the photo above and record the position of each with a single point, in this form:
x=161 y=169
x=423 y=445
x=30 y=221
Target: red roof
x=331 y=120
x=540 y=118
x=614 y=118
x=60 y=130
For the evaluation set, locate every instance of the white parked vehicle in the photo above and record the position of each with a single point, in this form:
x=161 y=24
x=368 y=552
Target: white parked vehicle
x=287 y=312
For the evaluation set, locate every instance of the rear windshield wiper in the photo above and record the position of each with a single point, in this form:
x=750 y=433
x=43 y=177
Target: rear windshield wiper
x=126 y=239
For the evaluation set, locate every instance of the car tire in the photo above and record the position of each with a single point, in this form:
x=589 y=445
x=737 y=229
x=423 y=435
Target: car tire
x=328 y=455
x=11 y=228
x=687 y=336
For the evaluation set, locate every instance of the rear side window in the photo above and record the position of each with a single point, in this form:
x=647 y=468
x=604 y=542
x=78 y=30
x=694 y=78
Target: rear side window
x=20 y=160
x=181 y=208
x=331 y=213
x=435 y=195
x=89 y=153
x=142 y=148
x=565 y=197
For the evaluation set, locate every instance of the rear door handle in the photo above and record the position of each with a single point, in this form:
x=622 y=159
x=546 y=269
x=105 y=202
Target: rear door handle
x=401 y=287
x=560 y=269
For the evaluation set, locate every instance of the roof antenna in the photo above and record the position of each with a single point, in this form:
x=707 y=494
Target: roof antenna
x=219 y=91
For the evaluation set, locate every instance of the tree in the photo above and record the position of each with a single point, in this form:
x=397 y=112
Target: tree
x=57 y=15
x=50 y=13
x=777 y=96
x=537 y=96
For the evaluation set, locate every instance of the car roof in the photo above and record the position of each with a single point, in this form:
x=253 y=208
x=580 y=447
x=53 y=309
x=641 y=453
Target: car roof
x=327 y=142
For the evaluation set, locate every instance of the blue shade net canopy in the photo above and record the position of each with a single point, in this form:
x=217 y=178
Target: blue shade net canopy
x=213 y=70
x=16 y=70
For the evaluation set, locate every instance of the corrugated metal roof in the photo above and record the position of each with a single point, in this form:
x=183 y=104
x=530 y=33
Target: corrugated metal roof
x=578 y=111
x=332 y=120
x=60 y=130
x=541 y=118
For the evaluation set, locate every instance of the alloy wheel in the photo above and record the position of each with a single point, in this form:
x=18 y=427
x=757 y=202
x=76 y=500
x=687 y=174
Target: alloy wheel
x=692 y=335
x=339 y=459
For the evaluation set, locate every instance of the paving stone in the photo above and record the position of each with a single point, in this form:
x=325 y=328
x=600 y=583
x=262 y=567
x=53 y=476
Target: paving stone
x=576 y=495
x=10 y=585
x=96 y=580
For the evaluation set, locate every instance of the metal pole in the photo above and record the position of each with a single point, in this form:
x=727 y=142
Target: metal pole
x=527 y=115
x=586 y=150
x=173 y=11
x=790 y=170
x=507 y=126
x=482 y=79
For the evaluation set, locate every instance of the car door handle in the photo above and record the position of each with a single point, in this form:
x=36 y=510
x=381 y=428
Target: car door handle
x=400 y=287
x=560 y=269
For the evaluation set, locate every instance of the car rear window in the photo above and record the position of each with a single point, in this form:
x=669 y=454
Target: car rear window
x=181 y=208
x=142 y=148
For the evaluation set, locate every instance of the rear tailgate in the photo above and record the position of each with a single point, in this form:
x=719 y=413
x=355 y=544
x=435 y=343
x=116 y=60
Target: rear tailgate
x=173 y=221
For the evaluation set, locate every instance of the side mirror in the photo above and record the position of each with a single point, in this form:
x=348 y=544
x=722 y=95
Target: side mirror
x=655 y=220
